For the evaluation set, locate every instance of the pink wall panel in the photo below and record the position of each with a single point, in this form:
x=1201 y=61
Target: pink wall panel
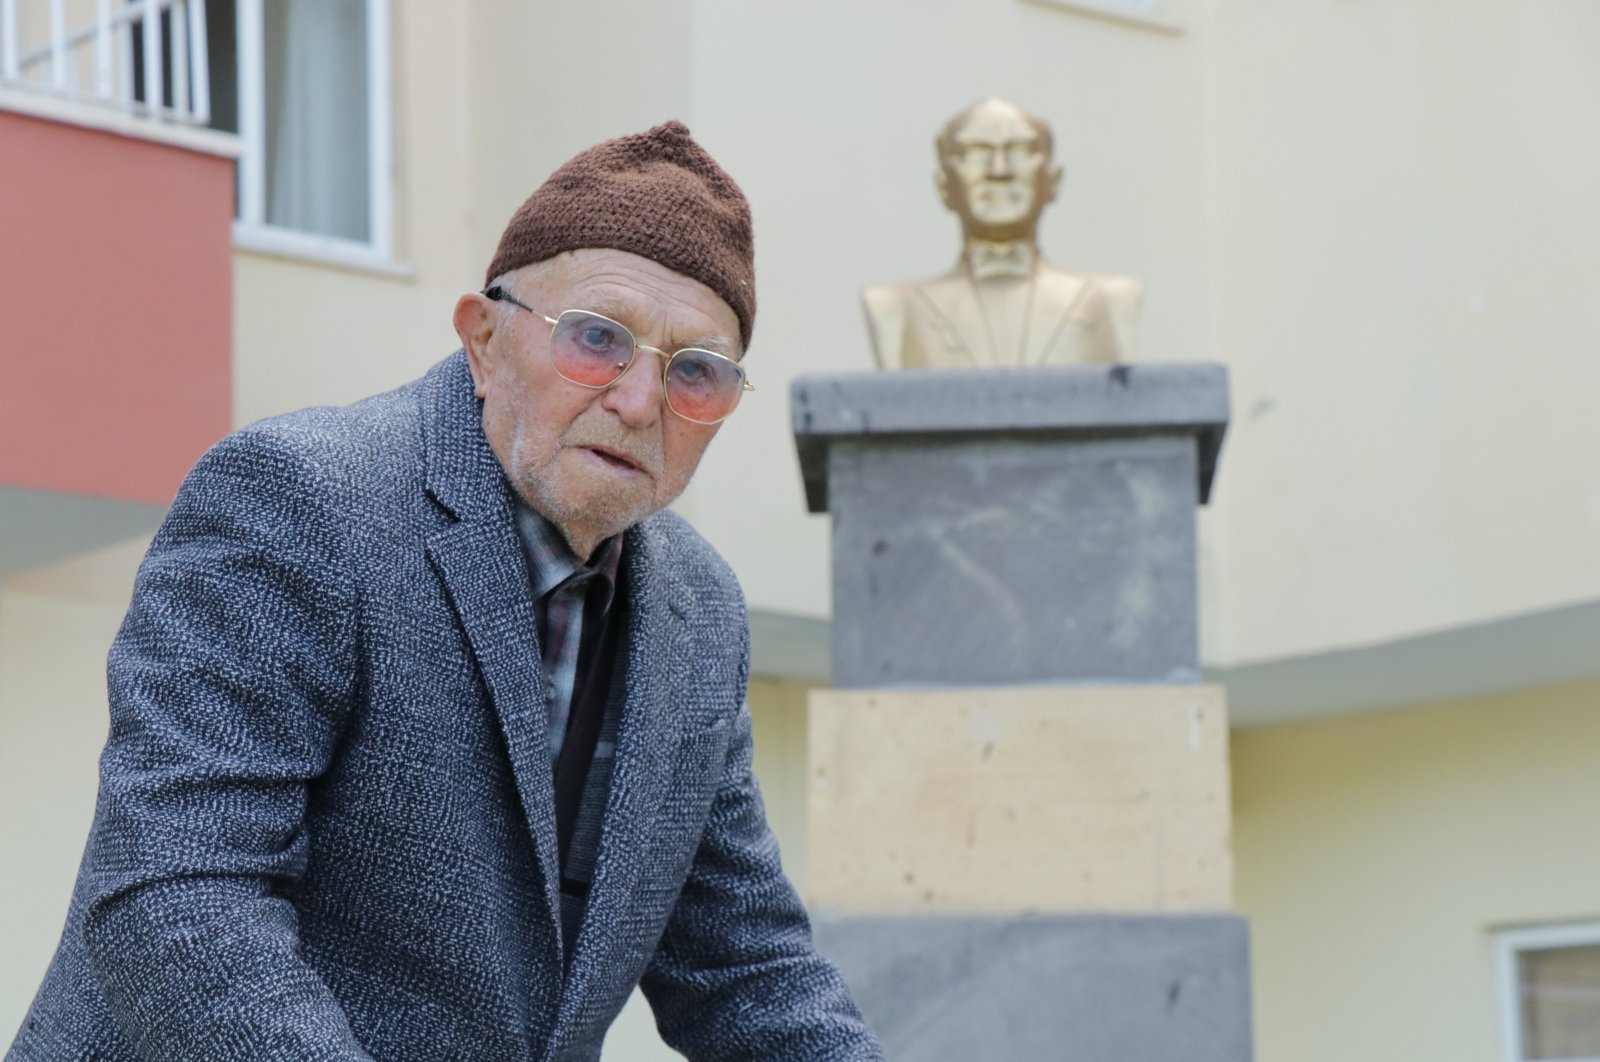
x=115 y=310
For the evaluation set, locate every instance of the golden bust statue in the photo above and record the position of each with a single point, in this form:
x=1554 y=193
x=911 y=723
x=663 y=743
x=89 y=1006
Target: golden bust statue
x=1002 y=304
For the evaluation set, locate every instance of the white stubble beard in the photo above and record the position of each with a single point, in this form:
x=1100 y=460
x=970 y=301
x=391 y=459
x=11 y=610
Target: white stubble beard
x=584 y=508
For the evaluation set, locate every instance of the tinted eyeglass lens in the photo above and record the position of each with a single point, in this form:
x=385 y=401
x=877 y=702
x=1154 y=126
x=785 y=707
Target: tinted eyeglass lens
x=703 y=386
x=589 y=349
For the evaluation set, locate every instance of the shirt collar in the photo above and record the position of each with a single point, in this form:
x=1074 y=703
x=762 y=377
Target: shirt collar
x=552 y=564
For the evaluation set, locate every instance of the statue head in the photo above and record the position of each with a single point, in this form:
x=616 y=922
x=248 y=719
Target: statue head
x=995 y=171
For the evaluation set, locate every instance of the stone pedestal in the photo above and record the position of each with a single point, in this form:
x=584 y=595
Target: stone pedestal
x=1018 y=817
x=1013 y=525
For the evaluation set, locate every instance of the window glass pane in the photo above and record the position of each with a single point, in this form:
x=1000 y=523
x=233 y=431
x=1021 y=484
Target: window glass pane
x=222 y=30
x=221 y=54
x=222 y=58
x=1560 y=990
x=315 y=58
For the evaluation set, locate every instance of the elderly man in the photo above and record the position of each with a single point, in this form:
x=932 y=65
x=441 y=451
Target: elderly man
x=427 y=725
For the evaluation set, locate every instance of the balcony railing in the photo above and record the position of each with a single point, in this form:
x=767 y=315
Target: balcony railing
x=146 y=58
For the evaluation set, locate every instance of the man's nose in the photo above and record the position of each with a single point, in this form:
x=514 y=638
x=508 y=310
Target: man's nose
x=999 y=163
x=636 y=396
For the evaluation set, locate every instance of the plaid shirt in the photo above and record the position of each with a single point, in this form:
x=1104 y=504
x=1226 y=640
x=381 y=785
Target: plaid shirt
x=562 y=594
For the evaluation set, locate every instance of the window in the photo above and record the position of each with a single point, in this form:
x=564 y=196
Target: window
x=1550 y=993
x=305 y=85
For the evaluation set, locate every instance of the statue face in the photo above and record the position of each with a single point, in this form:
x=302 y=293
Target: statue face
x=995 y=172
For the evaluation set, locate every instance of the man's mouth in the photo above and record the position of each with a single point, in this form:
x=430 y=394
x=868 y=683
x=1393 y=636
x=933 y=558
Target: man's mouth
x=616 y=458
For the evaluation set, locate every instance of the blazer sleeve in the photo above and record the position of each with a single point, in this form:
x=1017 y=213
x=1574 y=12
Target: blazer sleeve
x=228 y=683
x=734 y=976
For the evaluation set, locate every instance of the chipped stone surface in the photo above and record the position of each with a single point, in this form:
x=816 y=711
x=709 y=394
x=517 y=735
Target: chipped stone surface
x=1013 y=559
x=1067 y=988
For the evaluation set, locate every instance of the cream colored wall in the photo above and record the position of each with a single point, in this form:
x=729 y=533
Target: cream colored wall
x=1376 y=853
x=55 y=627
x=306 y=333
x=1404 y=234
x=547 y=80
x=779 y=711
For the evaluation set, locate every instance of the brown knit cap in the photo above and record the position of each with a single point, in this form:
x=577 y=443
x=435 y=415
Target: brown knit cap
x=657 y=194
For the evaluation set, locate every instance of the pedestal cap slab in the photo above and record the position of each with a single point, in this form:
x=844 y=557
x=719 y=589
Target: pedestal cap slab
x=1013 y=526
x=1058 y=401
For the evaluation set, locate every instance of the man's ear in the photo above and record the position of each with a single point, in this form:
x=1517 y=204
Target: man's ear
x=475 y=319
x=941 y=181
x=1052 y=178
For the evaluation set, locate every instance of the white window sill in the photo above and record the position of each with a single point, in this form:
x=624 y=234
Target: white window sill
x=135 y=122
x=322 y=250
x=1157 y=15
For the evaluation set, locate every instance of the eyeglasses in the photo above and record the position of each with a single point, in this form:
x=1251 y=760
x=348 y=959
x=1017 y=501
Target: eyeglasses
x=594 y=351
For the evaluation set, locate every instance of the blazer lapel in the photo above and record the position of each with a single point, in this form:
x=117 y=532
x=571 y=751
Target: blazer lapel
x=647 y=746
x=479 y=558
x=952 y=319
x=1058 y=300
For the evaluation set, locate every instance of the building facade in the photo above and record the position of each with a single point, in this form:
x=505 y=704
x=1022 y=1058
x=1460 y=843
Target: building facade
x=1379 y=215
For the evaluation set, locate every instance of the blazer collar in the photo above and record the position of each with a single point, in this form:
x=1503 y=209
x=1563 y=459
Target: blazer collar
x=463 y=475
x=479 y=557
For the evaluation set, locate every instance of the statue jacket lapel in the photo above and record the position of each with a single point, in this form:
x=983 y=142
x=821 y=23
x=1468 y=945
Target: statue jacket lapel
x=945 y=327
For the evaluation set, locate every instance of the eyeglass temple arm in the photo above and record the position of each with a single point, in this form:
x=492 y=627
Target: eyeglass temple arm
x=495 y=293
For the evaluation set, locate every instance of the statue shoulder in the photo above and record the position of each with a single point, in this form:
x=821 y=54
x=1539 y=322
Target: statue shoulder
x=885 y=306
x=1123 y=296
x=884 y=298
x=1110 y=298
x=898 y=313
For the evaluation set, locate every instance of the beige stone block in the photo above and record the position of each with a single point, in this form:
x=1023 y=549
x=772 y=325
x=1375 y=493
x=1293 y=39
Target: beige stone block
x=1019 y=799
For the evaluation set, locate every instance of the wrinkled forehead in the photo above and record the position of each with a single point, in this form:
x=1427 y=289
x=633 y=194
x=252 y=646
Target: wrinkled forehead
x=994 y=125
x=660 y=306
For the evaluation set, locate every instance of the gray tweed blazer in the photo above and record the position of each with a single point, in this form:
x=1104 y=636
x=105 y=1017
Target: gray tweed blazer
x=326 y=827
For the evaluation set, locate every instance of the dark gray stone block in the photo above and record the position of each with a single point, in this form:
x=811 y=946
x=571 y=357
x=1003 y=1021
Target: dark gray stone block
x=1078 y=988
x=1013 y=526
x=998 y=560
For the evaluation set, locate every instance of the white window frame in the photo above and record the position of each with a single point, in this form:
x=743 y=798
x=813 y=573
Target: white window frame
x=1511 y=943
x=1158 y=15
x=250 y=230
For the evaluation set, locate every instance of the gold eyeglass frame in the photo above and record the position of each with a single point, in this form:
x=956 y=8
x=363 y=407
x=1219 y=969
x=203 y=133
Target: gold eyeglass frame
x=497 y=293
